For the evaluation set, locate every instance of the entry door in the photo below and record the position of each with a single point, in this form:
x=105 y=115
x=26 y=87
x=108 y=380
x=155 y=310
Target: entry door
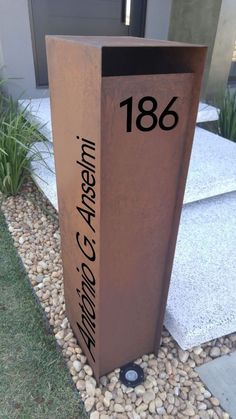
x=80 y=17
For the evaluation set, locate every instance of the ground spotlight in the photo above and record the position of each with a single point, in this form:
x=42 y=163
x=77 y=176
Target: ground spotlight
x=131 y=375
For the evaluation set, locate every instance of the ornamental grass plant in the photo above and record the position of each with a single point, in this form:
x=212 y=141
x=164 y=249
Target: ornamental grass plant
x=17 y=136
x=227 y=115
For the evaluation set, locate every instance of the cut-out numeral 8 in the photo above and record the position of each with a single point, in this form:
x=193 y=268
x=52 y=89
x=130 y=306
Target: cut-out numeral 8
x=143 y=104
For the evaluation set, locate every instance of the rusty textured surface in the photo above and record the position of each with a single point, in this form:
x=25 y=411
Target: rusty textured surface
x=123 y=246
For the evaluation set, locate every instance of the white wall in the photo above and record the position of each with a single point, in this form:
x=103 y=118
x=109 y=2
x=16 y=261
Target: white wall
x=16 y=54
x=223 y=50
x=158 y=19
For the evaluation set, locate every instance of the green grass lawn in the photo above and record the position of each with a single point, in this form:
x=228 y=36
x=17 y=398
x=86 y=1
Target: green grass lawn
x=34 y=381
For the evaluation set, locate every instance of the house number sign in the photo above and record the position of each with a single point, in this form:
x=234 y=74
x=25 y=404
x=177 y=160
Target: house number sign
x=147 y=107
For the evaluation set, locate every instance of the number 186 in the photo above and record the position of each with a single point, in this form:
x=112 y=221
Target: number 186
x=144 y=112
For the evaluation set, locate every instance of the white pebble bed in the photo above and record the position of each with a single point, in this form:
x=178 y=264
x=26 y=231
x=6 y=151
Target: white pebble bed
x=172 y=388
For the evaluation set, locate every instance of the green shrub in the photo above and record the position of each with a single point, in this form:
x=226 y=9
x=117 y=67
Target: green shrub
x=16 y=139
x=227 y=115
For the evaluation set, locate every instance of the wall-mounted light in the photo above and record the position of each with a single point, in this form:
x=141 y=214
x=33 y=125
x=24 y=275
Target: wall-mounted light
x=126 y=8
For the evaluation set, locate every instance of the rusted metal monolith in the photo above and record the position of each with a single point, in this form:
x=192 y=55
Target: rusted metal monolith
x=123 y=114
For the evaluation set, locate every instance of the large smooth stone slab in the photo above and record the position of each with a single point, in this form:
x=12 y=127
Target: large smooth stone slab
x=207 y=113
x=39 y=111
x=219 y=376
x=202 y=297
x=212 y=168
x=44 y=171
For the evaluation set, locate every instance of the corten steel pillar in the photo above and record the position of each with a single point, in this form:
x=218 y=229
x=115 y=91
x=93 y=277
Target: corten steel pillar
x=123 y=114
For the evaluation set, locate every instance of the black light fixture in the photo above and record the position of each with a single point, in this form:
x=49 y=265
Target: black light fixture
x=131 y=375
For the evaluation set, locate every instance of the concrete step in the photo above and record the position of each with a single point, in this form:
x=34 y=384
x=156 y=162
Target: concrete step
x=212 y=168
x=208 y=175
x=219 y=376
x=44 y=171
x=202 y=297
x=38 y=110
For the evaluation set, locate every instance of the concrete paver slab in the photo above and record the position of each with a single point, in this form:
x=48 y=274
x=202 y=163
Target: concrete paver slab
x=220 y=378
x=202 y=298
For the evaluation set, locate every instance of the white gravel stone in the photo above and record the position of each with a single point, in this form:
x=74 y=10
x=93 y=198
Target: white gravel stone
x=214 y=352
x=119 y=408
x=152 y=407
x=80 y=385
x=142 y=408
x=77 y=366
x=183 y=355
x=214 y=401
x=39 y=278
x=106 y=402
x=108 y=395
x=140 y=390
x=95 y=415
x=60 y=335
x=88 y=370
x=149 y=396
x=68 y=336
x=202 y=406
x=158 y=402
x=160 y=410
x=90 y=388
x=89 y=403
x=103 y=381
x=197 y=350
x=206 y=394
x=189 y=411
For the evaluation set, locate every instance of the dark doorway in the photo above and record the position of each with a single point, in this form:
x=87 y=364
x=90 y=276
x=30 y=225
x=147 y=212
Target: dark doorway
x=80 y=17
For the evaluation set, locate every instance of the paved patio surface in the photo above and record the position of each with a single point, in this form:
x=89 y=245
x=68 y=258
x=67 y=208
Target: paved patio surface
x=220 y=378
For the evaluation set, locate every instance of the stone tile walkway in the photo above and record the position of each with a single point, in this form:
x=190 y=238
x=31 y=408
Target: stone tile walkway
x=219 y=376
